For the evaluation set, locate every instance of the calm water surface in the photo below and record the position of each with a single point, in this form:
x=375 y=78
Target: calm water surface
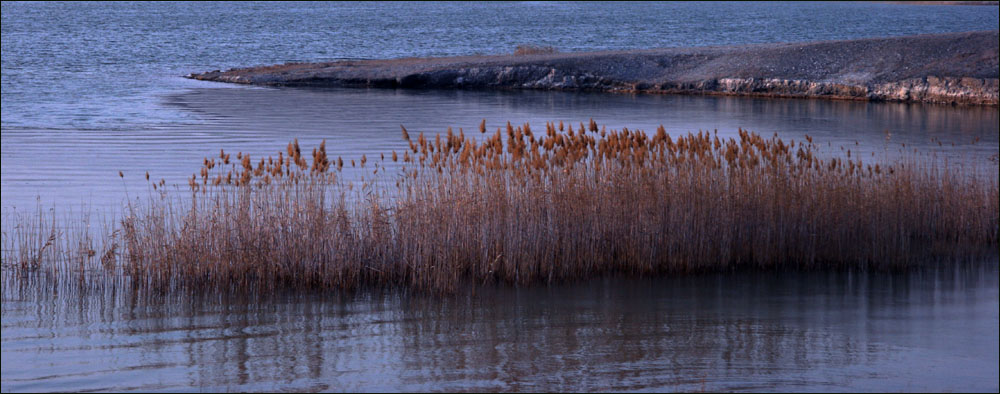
x=928 y=330
x=92 y=89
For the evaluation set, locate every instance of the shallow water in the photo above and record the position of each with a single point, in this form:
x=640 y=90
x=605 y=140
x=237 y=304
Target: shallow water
x=933 y=329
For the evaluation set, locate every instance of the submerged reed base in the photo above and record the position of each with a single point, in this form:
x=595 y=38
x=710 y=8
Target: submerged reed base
x=521 y=207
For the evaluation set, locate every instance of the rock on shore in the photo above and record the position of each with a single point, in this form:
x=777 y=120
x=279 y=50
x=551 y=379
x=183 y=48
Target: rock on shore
x=957 y=68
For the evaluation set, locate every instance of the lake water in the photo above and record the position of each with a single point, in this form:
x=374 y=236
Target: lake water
x=92 y=89
x=929 y=330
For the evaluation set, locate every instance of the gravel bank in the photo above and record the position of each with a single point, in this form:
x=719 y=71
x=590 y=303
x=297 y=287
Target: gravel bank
x=955 y=68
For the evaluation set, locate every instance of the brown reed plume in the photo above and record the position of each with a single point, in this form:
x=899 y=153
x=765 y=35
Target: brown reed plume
x=524 y=206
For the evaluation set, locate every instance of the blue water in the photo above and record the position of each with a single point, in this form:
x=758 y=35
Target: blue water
x=932 y=330
x=72 y=66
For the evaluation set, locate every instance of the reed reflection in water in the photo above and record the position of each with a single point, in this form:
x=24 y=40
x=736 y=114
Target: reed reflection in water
x=926 y=330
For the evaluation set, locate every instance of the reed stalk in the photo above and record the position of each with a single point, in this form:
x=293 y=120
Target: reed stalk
x=521 y=206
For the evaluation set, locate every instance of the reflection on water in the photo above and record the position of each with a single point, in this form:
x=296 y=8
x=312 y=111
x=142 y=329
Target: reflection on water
x=932 y=329
x=81 y=166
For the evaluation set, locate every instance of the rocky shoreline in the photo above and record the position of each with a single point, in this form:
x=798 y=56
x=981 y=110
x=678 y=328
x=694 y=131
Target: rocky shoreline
x=952 y=68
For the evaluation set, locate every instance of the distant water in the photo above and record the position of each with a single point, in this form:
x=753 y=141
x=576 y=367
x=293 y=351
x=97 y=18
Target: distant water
x=84 y=66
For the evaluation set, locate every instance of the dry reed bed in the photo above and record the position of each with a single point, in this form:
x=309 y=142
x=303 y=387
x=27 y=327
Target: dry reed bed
x=520 y=207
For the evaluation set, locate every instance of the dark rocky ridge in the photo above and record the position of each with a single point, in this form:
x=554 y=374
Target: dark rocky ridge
x=957 y=68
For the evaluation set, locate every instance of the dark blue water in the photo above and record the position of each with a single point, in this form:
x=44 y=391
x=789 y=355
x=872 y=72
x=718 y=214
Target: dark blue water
x=107 y=66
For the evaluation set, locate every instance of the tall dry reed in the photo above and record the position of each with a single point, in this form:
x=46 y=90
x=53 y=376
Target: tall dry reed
x=524 y=206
